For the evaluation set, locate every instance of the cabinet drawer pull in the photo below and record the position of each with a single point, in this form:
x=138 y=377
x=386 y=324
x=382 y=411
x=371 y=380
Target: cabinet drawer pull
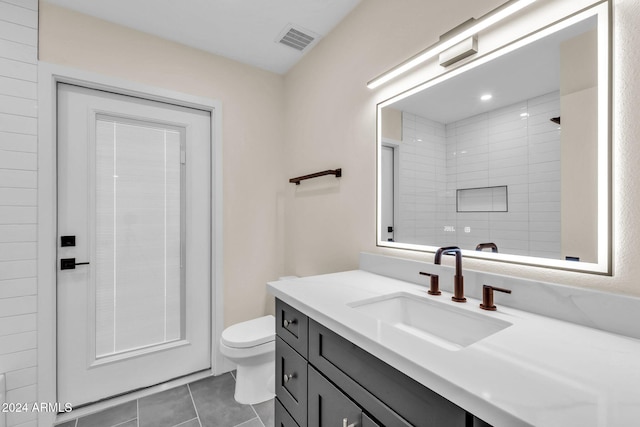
x=286 y=322
x=288 y=377
x=345 y=423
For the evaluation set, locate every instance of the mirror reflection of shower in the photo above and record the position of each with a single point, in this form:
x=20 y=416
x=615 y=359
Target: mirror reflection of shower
x=481 y=157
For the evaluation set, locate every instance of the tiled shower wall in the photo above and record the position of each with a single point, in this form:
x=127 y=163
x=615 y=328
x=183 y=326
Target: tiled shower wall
x=18 y=210
x=422 y=178
x=517 y=146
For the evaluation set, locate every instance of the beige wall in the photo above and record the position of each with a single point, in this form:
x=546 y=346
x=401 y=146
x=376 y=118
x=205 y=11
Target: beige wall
x=330 y=121
x=321 y=116
x=391 y=120
x=252 y=131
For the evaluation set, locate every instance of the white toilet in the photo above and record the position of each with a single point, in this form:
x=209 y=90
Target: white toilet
x=251 y=346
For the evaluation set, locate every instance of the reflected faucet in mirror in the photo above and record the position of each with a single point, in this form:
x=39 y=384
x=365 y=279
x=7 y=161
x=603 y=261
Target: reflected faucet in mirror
x=458 y=280
x=492 y=246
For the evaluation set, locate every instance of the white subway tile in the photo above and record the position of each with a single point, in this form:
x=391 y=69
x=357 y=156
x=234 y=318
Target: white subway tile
x=28 y=4
x=544 y=118
x=18 y=342
x=18 y=106
x=534 y=208
x=473 y=179
x=14 y=215
x=17 y=270
x=19 y=88
x=17 y=324
x=18 y=15
x=519 y=207
x=545 y=147
x=544 y=197
x=545 y=137
x=18 y=179
x=508 y=126
x=513 y=188
x=544 y=236
x=543 y=127
x=535 y=226
x=550 y=166
x=18 y=51
x=515 y=152
x=18 y=124
x=18 y=287
x=510 y=235
x=545 y=216
x=17 y=251
x=18 y=69
x=18 y=160
x=545 y=176
x=18 y=142
x=18 y=233
x=21 y=378
x=16 y=361
x=496 y=146
x=509 y=135
x=18 y=197
x=504 y=217
x=18 y=33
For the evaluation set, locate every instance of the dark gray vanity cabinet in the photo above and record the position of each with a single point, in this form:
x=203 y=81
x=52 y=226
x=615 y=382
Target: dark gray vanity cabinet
x=328 y=406
x=328 y=381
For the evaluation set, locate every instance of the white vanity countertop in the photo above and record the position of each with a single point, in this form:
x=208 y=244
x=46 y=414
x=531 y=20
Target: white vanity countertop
x=538 y=371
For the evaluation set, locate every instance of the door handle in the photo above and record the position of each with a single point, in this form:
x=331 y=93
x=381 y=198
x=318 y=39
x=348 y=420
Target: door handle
x=70 y=263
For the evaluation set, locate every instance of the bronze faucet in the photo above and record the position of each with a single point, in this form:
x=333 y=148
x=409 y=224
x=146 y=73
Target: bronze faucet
x=458 y=282
x=433 y=289
x=487 y=296
x=491 y=246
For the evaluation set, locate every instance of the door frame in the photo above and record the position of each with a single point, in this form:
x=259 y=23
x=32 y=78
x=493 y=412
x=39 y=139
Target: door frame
x=395 y=146
x=49 y=75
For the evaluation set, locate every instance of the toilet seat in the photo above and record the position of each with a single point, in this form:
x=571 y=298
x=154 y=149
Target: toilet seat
x=251 y=333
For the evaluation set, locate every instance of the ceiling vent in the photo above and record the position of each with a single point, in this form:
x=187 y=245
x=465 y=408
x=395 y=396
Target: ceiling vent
x=297 y=38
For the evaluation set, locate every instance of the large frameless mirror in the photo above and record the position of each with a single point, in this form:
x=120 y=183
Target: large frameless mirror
x=507 y=156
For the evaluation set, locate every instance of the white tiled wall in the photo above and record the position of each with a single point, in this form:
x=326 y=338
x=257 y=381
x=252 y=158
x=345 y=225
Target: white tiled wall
x=517 y=146
x=18 y=210
x=422 y=176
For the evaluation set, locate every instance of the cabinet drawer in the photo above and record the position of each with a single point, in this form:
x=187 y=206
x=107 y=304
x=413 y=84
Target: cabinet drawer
x=291 y=381
x=378 y=386
x=328 y=406
x=282 y=417
x=291 y=326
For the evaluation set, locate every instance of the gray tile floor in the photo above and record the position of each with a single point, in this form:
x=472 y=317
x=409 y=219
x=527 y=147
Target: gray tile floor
x=204 y=403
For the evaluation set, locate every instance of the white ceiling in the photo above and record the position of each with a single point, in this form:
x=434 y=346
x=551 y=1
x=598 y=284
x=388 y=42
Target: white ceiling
x=525 y=73
x=244 y=30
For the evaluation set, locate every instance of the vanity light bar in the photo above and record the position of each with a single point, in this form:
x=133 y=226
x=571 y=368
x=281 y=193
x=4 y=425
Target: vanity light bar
x=496 y=15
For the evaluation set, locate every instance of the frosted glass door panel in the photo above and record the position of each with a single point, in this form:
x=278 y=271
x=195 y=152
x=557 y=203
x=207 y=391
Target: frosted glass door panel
x=139 y=280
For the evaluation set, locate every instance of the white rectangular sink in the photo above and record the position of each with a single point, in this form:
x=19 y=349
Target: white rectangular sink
x=443 y=324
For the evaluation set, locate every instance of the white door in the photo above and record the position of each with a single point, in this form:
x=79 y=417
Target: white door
x=133 y=282
x=387 y=193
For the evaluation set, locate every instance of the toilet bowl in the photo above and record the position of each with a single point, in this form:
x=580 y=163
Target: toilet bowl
x=251 y=346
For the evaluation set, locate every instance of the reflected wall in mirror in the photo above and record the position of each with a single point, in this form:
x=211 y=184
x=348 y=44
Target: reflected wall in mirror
x=520 y=138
